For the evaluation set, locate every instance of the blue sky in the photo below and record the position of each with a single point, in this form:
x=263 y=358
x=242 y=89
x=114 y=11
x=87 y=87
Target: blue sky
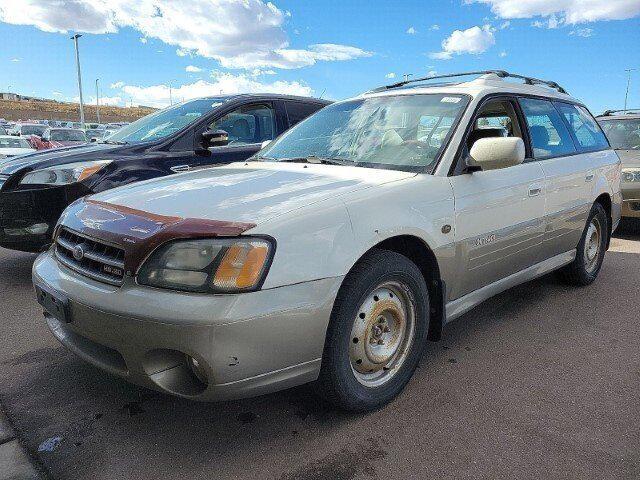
x=137 y=48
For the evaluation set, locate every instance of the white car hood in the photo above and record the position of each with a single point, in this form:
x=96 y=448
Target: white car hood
x=247 y=192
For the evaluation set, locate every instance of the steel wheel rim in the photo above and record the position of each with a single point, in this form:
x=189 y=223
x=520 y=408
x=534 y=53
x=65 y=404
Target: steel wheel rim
x=592 y=244
x=382 y=334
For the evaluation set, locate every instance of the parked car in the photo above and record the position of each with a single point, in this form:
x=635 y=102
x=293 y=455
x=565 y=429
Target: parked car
x=94 y=134
x=622 y=128
x=338 y=250
x=28 y=129
x=59 y=137
x=3 y=131
x=34 y=190
x=11 y=146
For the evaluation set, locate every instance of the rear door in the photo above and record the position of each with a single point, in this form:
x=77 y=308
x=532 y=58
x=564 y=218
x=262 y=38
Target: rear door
x=568 y=175
x=499 y=213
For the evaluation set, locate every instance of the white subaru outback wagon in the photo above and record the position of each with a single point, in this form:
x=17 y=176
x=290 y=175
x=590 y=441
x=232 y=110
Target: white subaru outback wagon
x=335 y=253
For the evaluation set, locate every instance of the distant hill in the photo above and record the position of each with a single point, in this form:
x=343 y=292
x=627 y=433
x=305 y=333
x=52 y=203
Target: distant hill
x=52 y=110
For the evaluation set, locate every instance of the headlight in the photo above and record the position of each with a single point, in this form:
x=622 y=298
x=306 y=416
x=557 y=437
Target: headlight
x=214 y=265
x=629 y=175
x=64 y=174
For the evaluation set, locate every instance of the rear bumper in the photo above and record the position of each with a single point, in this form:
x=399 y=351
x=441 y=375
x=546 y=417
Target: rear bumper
x=247 y=344
x=28 y=217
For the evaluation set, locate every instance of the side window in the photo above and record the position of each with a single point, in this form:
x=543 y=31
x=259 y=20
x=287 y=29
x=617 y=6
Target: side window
x=496 y=118
x=298 y=111
x=248 y=124
x=549 y=134
x=584 y=126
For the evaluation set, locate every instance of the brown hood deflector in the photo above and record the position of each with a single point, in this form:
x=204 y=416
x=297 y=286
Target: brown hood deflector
x=139 y=232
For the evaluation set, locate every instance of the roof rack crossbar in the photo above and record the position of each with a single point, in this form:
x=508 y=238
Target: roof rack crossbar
x=499 y=73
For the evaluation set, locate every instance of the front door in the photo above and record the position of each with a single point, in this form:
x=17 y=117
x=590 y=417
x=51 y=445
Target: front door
x=499 y=213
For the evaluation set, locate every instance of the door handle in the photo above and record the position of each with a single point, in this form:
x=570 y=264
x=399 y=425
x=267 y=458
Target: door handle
x=180 y=168
x=534 y=191
x=589 y=177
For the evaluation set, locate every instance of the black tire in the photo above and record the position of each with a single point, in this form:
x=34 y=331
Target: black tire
x=578 y=273
x=337 y=382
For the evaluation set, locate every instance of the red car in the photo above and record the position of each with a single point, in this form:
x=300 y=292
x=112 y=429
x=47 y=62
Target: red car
x=58 y=137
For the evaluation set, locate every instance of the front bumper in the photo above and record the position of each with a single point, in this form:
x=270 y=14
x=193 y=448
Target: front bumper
x=631 y=200
x=248 y=344
x=37 y=210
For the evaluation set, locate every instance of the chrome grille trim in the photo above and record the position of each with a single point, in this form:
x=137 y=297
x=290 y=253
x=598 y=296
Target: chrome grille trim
x=98 y=257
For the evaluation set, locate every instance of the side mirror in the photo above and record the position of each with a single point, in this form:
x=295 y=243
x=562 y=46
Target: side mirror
x=215 y=138
x=265 y=143
x=93 y=139
x=496 y=152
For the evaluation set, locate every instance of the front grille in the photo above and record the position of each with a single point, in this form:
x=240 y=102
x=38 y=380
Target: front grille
x=90 y=257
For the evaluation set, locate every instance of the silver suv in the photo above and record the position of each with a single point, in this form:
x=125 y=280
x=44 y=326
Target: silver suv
x=622 y=128
x=335 y=253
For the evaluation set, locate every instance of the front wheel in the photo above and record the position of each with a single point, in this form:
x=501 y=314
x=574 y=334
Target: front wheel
x=590 y=251
x=377 y=332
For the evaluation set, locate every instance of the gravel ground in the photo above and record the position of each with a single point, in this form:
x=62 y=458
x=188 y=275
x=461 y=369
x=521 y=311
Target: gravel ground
x=541 y=381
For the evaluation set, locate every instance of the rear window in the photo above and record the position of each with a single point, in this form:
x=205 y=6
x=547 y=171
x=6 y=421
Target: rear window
x=549 y=134
x=584 y=127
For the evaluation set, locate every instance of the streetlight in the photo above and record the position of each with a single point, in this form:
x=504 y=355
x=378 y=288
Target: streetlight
x=170 y=94
x=97 y=101
x=75 y=41
x=626 y=94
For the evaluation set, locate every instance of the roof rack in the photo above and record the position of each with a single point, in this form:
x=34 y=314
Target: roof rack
x=498 y=73
x=625 y=111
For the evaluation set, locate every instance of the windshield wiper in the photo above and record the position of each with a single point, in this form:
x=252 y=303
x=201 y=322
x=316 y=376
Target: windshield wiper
x=316 y=160
x=114 y=142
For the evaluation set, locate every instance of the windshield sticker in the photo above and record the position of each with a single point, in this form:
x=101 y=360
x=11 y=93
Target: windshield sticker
x=450 y=100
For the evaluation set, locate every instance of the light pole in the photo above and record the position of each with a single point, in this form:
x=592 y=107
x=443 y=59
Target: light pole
x=406 y=76
x=75 y=41
x=170 y=84
x=626 y=94
x=97 y=101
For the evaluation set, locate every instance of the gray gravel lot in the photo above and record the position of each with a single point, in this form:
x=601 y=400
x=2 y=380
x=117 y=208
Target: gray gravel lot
x=542 y=381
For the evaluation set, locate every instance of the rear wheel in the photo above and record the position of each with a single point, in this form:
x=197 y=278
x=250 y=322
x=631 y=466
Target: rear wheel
x=591 y=249
x=377 y=332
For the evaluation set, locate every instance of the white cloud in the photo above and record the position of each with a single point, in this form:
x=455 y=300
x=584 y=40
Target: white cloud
x=117 y=85
x=15 y=59
x=411 y=31
x=226 y=83
x=435 y=26
x=143 y=39
x=551 y=22
x=115 y=101
x=390 y=75
x=502 y=54
x=504 y=25
x=432 y=73
x=474 y=40
x=582 y=32
x=57 y=94
x=192 y=69
x=567 y=11
x=237 y=33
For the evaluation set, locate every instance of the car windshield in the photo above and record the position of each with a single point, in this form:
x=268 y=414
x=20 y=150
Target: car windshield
x=68 y=136
x=401 y=132
x=32 y=129
x=14 y=142
x=161 y=124
x=623 y=133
